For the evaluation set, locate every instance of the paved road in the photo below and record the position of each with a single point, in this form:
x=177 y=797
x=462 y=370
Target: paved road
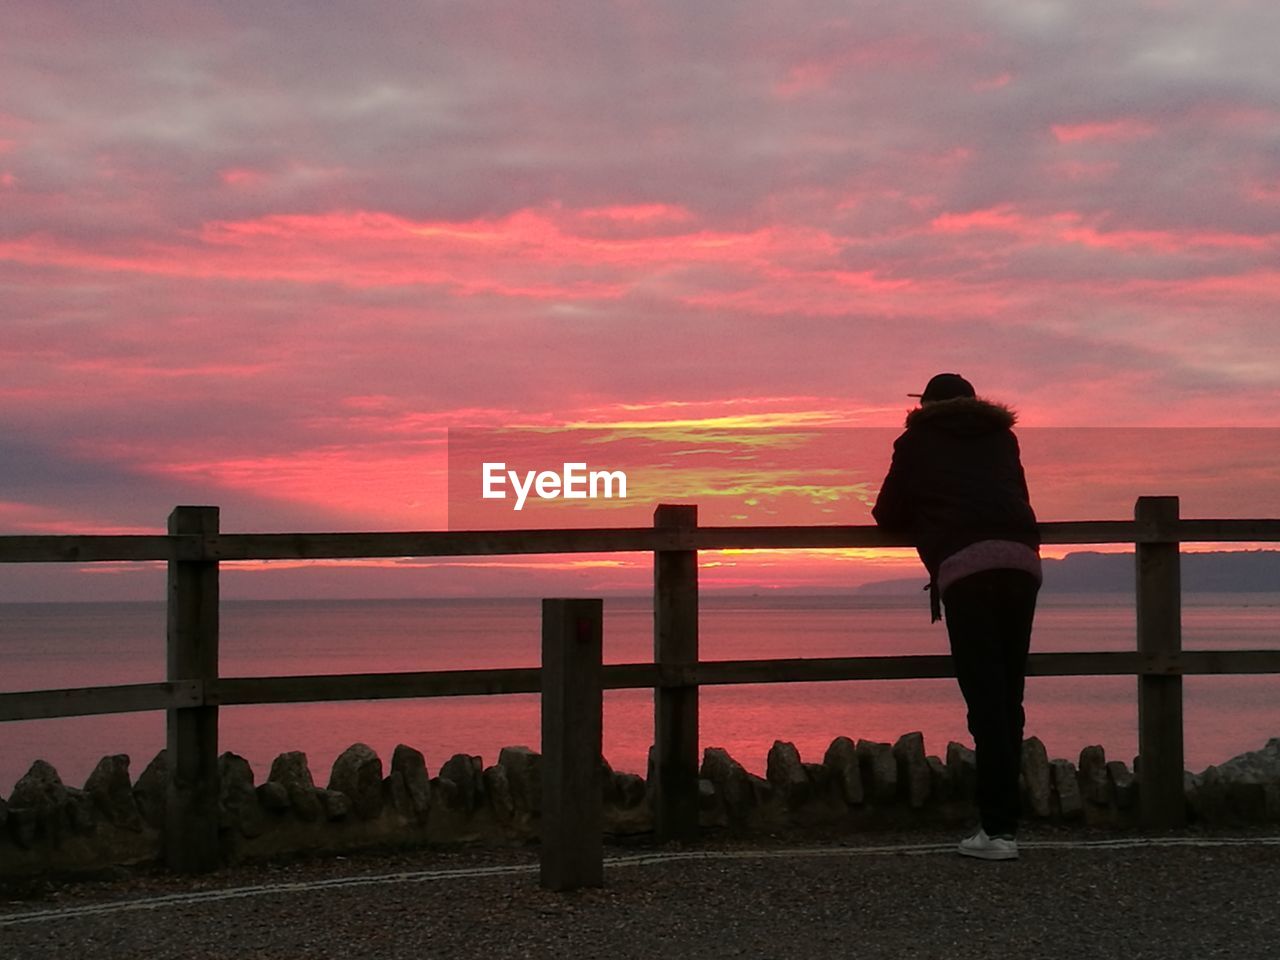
x=910 y=897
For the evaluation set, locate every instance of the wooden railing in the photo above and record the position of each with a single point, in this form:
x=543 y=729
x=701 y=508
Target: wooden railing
x=571 y=677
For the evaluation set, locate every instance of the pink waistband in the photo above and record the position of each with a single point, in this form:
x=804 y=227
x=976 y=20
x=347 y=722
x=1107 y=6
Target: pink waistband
x=988 y=555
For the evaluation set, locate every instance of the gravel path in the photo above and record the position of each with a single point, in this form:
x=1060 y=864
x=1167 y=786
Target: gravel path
x=1071 y=895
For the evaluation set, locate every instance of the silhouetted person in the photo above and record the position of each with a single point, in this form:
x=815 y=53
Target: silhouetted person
x=956 y=486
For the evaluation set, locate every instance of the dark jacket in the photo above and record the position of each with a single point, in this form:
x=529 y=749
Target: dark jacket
x=956 y=478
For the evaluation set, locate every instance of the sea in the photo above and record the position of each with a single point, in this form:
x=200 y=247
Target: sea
x=59 y=645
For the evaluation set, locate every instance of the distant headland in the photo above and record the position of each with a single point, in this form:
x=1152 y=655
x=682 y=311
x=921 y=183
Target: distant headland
x=1239 y=571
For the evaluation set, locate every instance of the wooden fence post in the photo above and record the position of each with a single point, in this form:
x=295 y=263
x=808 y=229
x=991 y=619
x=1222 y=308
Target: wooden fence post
x=572 y=701
x=675 y=644
x=191 y=801
x=1160 y=735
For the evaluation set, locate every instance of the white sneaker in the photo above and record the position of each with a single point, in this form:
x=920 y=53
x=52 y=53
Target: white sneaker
x=989 y=848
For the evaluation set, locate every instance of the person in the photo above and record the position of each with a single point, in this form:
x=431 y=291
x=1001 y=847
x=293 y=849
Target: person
x=956 y=487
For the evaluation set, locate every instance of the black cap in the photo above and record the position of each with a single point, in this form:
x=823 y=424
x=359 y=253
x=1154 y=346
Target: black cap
x=945 y=386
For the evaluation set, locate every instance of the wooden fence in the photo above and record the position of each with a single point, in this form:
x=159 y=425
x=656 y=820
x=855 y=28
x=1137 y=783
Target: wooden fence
x=572 y=677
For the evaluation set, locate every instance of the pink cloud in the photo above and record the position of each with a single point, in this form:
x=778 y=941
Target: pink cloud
x=32 y=518
x=859 y=54
x=996 y=82
x=1083 y=172
x=1070 y=227
x=639 y=213
x=520 y=255
x=1001 y=218
x=241 y=177
x=1165 y=241
x=386 y=487
x=1266 y=191
x=1111 y=131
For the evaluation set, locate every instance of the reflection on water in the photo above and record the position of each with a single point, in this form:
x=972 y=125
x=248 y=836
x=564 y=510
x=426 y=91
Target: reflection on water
x=64 y=645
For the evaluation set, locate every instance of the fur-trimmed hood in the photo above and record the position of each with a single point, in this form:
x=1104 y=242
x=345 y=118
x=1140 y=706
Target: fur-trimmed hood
x=963 y=415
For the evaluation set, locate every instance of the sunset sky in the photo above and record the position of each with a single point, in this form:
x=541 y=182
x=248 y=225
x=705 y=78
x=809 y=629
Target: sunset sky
x=264 y=255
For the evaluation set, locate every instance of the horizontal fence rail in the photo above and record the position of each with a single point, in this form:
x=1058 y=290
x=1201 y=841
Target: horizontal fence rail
x=476 y=543
x=319 y=688
x=92 y=701
x=193 y=693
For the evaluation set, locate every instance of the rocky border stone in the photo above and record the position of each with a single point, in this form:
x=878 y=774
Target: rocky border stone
x=859 y=784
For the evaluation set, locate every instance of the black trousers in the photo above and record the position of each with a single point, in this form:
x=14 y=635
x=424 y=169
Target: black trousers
x=989 y=616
